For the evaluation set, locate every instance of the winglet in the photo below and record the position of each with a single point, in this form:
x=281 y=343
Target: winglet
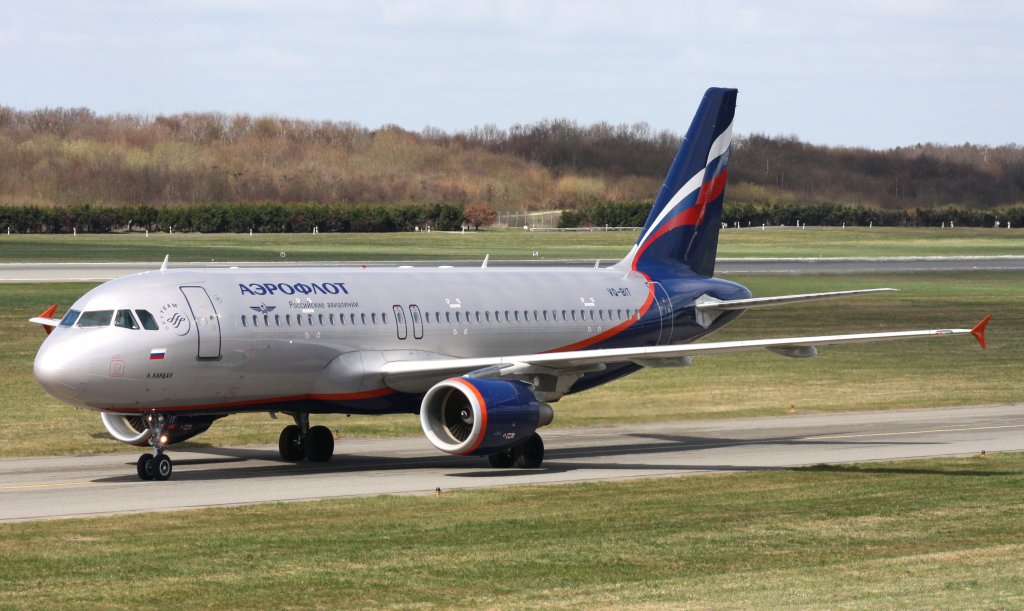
x=979 y=330
x=46 y=319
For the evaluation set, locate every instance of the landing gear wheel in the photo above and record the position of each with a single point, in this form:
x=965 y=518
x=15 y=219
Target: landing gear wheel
x=502 y=460
x=530 y=453
x=145 y=467
x=162 y=468
x=319 y=444
x=290 y=444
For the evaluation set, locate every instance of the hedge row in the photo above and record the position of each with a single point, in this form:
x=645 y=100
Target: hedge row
x=634 y=214
x=238 y=218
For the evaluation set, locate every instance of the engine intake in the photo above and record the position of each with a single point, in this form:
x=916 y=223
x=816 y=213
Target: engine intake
x=134 y=430
x=472 y=416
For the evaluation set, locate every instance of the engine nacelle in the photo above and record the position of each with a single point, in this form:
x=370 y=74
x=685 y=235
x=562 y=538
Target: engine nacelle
x=481 y=416
x=135 y=431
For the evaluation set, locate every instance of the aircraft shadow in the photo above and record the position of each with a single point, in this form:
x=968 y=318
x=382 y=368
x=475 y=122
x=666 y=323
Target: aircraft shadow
x=562 y=460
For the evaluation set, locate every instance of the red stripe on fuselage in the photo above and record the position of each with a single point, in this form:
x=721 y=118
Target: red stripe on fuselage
x=610 y=333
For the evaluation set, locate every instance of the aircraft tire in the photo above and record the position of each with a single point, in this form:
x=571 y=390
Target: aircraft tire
x=530 y=453
x=162 y=467
x=290 y=445
x=502 y=460
x=319 y=444
x=145 y=467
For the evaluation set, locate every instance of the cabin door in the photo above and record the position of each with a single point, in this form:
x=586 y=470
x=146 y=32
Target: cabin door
x=206 y=319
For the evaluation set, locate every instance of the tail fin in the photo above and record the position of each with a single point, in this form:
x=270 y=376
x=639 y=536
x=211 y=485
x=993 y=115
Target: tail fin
x=682 y=228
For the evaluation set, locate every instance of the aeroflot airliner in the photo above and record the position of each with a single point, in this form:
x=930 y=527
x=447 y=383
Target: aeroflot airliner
x=478 y=353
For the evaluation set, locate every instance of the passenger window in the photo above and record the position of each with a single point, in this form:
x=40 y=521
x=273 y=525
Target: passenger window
x=255 y=320
x=243 y=321
x=125 y=320
x=99 y=318
x=298 y=319
x=330 y=317
x=487 y=316
x=266 y=320
x=321 y=318
x=69 y=318
x=277 y=319
x=363 y=318
x=309 y=319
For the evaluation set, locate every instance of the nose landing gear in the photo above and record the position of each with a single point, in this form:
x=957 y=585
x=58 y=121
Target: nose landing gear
x=299 y=440
x=155 y=466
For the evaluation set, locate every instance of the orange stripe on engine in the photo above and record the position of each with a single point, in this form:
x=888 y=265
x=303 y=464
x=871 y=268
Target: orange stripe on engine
x=483 y=412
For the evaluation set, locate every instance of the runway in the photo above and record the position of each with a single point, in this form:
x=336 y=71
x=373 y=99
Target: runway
x=99 y=272
x=65 y=487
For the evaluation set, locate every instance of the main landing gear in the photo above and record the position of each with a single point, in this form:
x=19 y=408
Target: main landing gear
x=157 y=465
x=299 y=441
x=527 y=455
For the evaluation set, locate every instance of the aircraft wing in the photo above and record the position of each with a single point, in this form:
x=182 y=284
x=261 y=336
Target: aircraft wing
x=398 y=373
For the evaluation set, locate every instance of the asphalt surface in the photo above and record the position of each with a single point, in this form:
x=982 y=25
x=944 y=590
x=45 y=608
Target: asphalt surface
x=98 y=272
x=64 y=487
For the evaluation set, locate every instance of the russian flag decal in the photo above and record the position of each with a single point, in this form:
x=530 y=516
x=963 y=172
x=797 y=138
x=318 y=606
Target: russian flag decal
x=157 y=354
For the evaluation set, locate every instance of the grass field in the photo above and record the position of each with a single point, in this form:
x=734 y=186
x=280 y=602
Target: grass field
x=915 y=373
x=500 y=244
x=938 y=533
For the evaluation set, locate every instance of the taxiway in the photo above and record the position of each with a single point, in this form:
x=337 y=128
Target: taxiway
x=65 y=487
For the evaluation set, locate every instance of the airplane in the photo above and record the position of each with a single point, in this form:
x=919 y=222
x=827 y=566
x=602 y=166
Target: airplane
x=480 y=354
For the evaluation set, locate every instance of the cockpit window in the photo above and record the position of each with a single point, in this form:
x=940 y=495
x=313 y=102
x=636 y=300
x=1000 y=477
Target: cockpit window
x=125 y=320
x=98 y=318
x=147 y=320
x=69 y=318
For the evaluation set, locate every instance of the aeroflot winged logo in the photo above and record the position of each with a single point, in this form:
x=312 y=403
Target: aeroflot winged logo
x=263 y=308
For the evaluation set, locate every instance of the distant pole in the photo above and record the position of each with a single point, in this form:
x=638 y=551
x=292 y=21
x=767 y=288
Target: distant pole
x=74 y=230
x=147 y=233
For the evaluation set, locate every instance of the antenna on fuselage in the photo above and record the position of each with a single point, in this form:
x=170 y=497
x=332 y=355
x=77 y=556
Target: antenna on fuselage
x=486 y=258
x=163 y=266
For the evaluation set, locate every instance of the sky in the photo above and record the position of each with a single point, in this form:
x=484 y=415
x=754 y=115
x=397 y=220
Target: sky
x=859 y=73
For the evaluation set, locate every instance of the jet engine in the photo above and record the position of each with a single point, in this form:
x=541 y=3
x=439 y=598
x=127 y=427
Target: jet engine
x=476 y=416
x=135 y=431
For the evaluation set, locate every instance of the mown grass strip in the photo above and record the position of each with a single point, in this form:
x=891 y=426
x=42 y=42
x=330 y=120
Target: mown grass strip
x=937 y=533
x=500 y=244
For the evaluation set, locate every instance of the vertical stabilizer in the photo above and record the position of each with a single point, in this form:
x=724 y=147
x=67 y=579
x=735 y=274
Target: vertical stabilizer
x=682 y=228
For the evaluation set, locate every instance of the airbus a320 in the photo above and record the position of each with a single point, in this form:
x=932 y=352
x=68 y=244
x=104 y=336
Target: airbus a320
x=480 y=354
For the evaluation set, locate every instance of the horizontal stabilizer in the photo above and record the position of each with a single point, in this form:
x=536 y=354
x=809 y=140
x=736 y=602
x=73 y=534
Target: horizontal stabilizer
x=710 y=303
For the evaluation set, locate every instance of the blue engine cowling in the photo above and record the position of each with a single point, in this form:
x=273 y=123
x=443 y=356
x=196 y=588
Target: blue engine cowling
x=474 y=416
x=134 y=430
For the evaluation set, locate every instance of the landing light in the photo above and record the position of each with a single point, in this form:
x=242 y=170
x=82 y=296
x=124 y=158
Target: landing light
x=163 y=439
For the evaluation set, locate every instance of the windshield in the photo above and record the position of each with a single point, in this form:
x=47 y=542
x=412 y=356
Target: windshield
x=98 y=318
x=69 y=318
x=125 y=320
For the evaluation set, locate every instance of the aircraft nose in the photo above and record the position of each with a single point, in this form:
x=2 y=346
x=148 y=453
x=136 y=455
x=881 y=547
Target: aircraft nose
x=56 y=371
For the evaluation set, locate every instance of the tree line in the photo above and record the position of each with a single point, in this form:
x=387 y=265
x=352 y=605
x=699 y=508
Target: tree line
x=267 y=217
x=70 y=157
x=634 y=214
